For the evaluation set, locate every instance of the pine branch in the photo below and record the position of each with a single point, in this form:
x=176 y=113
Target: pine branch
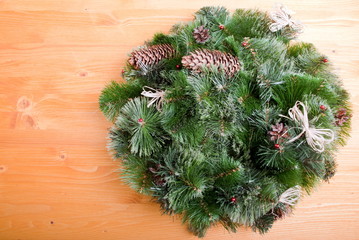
x=115 y=95
x=249 y=23
x=135 y=174
x=143 y=124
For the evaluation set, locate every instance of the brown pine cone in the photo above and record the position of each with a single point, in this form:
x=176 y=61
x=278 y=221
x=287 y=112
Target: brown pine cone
x=341 y=117
x=149 y=56
x=200 y=59
x=280 y=213
x=157 y=179
x=279 y=131
x=201 y=34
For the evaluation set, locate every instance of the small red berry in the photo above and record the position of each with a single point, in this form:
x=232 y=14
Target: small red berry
x=277 y=146
x=244 y=44
x=178 y=66
x=123 y=71
x=322 y=107
x=324 y=60
x=221 y=27
x=233 y=200
x=140 y=120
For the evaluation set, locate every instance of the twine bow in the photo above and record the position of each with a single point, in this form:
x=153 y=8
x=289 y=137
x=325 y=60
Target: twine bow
x=156 y=95
x=316 y=138
x=281 y=16
x=290 y=196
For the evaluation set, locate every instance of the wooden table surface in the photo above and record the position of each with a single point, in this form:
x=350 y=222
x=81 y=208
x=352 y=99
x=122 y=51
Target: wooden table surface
x=57 y=180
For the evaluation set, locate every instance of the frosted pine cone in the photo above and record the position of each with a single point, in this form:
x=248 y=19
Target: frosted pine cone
x=201 y=34
x=150 y=56
x=341 y=117
x=200 y=59
x=279 y=132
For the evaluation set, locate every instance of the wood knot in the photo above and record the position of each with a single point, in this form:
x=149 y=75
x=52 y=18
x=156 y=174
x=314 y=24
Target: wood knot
x=3 y=168
x=83 y=74
x=23 y=104
x=62 y=155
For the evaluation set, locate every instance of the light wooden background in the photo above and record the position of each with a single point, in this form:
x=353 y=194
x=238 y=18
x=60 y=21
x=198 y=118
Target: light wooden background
x=57 y=180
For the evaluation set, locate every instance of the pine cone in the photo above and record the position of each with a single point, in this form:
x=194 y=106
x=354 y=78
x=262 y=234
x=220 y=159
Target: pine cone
x=157 y=179
x=199 y=59
x=201 y=34
x=279 y=131
x=341 y=117
x=150 y=56
x=281 y=212
x=330 y=169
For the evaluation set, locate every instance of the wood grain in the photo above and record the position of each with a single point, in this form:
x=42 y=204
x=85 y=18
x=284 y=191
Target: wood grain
x=58 y=182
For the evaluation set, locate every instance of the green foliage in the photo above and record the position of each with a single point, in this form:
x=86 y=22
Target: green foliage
x=227 y=171
x=147 y=136
x=178 y=117
x=272 y=158
x=190 y=179
x=119 y=142
x=212 y=15
x=115 y=95
x=248 y=205
x=199 y=218
x=134 y=173
x=249 y=23
x=264 y=223
x=212 y=151
x=294 y=88
x=307 y=58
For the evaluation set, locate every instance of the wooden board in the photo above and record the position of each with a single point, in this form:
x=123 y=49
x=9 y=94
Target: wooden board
x=57 y=180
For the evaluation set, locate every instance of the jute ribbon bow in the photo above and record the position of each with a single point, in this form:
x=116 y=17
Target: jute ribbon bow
x=290 y=196
x=316 y=138
x=156 y=95
x=282 y=17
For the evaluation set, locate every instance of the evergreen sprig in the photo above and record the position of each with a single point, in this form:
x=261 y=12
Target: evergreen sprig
x=143 y=124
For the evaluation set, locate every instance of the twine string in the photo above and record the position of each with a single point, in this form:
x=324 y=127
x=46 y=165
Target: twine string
x=156 y=95
x=290 y=196
x=316 y=138
x=281 y=16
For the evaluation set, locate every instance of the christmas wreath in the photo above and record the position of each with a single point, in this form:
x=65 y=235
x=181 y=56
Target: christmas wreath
x=227 y=119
